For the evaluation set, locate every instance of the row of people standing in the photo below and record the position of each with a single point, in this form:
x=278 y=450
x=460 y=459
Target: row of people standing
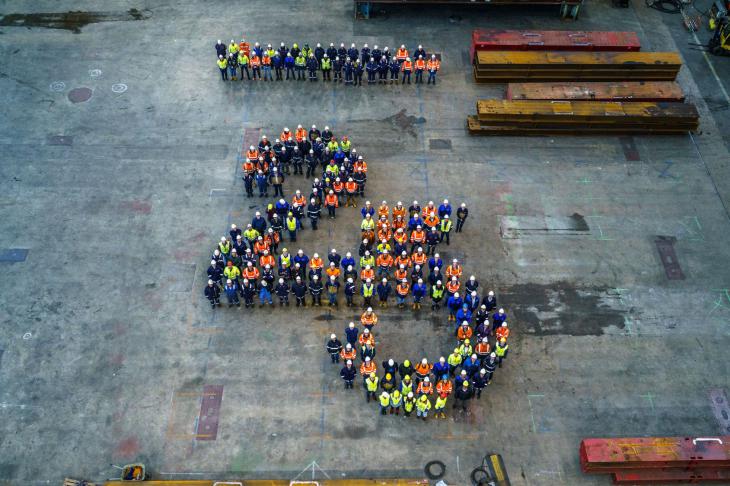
x=337 y=65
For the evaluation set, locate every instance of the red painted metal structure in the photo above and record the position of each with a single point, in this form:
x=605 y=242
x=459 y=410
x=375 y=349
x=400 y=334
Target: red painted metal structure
x=552 y=40
x=654 y=460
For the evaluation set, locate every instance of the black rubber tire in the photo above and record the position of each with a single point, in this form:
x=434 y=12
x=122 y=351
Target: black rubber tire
x=432 y=475
x=480 y=476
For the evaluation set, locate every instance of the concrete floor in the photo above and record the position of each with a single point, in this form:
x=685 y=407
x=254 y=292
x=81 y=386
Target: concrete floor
x=106 y=341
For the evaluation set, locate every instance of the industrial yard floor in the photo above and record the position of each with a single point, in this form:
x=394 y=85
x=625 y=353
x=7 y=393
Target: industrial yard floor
x=106 y=342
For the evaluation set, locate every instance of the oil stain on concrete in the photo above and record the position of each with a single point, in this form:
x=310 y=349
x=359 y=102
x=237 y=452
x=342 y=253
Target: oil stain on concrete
x=563 y=309
x=73 y=21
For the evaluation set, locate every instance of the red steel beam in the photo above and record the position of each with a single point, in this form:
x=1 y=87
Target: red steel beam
x=665 y=475
x=552 y=40
x=612 y=455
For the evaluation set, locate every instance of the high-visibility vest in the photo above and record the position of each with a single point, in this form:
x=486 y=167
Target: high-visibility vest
x=399 y=212
x=407 y=66
x=396 y=398
x=437 y=293
x=384 y=399
x=367 y=274
x=401 y=55
x=406 y=388
x=481 y=348
x=368 y=319
x=299 y=200
x=251 y=273
x=431 y=220
x=366 y=369
x=232 y=47
x=420 y=64
x=253 y=155
x=453 y=271
x=285 y=136
x=326 y=64
x=502 y=332
x=300 y=134
x=426 y=388
x=245 y=47
x=423 y=369
x=243 y=59
x=364 y=339
x=255 y=61
x=433 y=65
x=403 y=289
x=291 y=224
x=423 y=405
x=440 y=402
x=408 y=404
x=445 y=225
x=300 y=61
x=365 y=261
x=462 y=333
x=371 y=383
x=454 y=359
x=367 y=225
x=418 y=236
x=222 y=63
x=400 y=236
x=403 y=260
x=345 y=145
x=385 y=260
x=345 y=355
x=266 y=61
x=385 y=234
x=231 y=272
x=453 y=286
x=267 y=260
x=383 y=211
x=337 y=187
x=444 y=387
x=331 y=200
x=316 y=263
x=500 y=350
x=285 y=261
x=419 y=258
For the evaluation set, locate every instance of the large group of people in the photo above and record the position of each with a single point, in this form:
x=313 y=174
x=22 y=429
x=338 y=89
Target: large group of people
x=397 y=260
x=337 y=65
x=336 y=166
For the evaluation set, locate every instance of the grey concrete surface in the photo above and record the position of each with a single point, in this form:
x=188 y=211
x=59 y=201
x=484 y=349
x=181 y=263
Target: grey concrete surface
x=107 y=341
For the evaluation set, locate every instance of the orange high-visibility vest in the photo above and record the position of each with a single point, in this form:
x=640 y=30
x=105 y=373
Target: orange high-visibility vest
x=366 y=369
x=420 y=64
x=316 y=263
x=331 y=200
x=364 y=339
x=255 y=62
x=401 y=274
x=444 y=387
x=428 y=212
x=403 y=260
x=453 y=271
x=407 y=66
x=345 y=355
x=247 y=167
x=384 y=234
x=300 y=134
x=400 y=236
x=403 y=289
x=333 y=272
x=245 y=47
x=385 y=260
x=433 y=65
x=383 y=211
x=367 y=274
x=267 y=260
x=452 y=286
x=398 y=212
x=401 y=55
x=368 y=319
x=266 y=61
x=260 y=246
x=337 y=187
x=285 y=136
x=419 y=259
x=351 y=187
x=482 y=348
x=361 y=165
x=423 y=369
x=418 y=236
x=502 y=332
x=251 y=273
x=424 y=387
x=252 y=155
x=298 y=200
x=464 y=333
x=431 y=220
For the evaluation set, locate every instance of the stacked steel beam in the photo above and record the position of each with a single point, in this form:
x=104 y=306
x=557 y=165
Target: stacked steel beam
x=577 y=83
x=552 y=40
x=504 y=66
x=536 y=117
x=658 y=460
x=597 y=91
